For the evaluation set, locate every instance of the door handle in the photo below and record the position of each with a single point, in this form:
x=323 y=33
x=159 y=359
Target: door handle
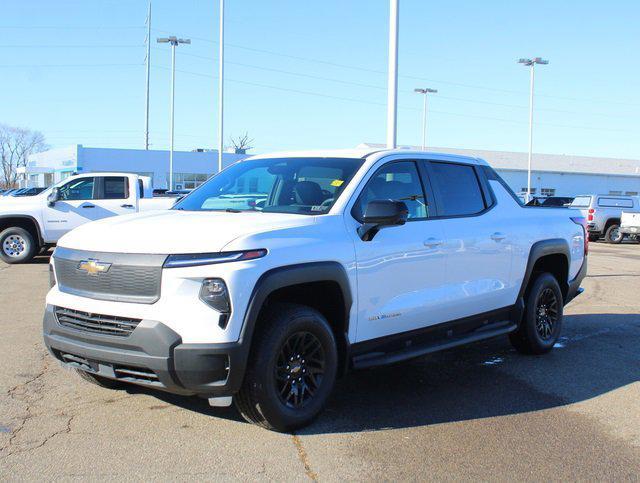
x=126 y=206
x=432 y=242
x=88 y=206
x=497 y=236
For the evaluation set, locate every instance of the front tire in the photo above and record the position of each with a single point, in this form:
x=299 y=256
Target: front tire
x=614 y=235
x=541 y=323
x=292 y=369
x=17 y=245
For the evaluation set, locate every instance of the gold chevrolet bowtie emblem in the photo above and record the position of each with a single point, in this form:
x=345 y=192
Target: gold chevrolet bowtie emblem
x=94 y=267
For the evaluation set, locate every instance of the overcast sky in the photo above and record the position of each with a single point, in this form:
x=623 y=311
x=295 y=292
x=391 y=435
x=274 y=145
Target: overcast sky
x=313 y=74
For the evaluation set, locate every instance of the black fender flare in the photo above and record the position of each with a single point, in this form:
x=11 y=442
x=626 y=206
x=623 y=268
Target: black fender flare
x=542 y=248
x=27 y=218
x=286 y=276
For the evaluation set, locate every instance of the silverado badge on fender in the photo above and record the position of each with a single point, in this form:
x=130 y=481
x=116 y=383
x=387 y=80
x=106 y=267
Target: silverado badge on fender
x=94 y=267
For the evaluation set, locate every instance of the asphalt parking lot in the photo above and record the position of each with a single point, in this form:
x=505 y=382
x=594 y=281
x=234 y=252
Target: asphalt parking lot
x=482 y=412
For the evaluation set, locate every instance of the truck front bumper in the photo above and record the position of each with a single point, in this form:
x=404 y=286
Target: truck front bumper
x=153 y=355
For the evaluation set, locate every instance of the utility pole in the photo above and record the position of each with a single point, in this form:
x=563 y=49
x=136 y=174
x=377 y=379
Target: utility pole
x=174 y=42
x=531 y=64
x=424 y=92
x=392 y=83
x=221 y=89
x=148 y=65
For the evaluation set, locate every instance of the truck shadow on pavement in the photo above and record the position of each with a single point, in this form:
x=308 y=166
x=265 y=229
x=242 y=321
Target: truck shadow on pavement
x=597 y=354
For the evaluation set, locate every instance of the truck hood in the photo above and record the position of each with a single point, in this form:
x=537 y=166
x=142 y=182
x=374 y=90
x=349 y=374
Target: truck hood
x=19 y=205
x=173 y=231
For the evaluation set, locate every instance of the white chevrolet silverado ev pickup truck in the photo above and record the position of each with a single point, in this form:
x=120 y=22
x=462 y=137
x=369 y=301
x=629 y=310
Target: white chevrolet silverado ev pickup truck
x=32 y=223
x=284 y=271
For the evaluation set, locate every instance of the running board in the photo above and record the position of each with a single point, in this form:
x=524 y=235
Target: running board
x=373 y=359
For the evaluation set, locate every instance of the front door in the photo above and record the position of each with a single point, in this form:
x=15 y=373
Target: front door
x=75 y=207
x=400 y=270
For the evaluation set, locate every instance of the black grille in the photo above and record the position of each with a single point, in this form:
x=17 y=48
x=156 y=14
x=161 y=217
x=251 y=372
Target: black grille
x=96 y=323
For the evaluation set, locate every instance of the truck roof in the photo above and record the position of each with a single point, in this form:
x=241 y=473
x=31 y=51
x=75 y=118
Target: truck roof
x=366 y=153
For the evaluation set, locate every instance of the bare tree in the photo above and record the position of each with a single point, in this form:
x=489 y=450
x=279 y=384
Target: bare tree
x=241 y=144
x=16 y=144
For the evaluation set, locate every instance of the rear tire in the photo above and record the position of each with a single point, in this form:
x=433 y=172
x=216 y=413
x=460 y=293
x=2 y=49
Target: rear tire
x=99 y=380
x=541 y=323
x=613 y=234
x=593 y=237
x=291 y=371
x=17 y=245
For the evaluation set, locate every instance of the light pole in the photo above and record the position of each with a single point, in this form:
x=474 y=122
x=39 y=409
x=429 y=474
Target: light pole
x=221 y=89
x=174 y=42
x=392 y=82
x=148 y=65
x=424 y=92
x=531 y=64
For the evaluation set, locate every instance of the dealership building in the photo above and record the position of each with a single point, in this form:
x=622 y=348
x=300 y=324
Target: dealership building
x=190 y=168
x=552 y=174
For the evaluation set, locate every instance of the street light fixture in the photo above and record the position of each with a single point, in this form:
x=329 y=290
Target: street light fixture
x=424 y=92
x=531 y=64
x=174 y=41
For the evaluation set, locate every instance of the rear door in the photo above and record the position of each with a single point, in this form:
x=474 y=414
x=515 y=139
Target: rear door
x=478 y=240
x=116 y=195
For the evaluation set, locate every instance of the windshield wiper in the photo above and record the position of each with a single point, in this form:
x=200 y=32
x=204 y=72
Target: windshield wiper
x=232 y=210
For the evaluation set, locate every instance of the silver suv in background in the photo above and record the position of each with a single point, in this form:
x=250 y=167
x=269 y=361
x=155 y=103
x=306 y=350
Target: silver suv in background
x=603 y=214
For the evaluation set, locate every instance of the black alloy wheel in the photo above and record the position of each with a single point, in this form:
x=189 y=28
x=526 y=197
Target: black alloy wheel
x=299 y=370
x=546 y=313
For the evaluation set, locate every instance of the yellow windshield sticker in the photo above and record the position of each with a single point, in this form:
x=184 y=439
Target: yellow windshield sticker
x=337 y=182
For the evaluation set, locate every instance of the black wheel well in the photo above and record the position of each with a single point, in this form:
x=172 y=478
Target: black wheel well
x=611 y=221
x=557 y=265
x=324 y=296
x=22 y=222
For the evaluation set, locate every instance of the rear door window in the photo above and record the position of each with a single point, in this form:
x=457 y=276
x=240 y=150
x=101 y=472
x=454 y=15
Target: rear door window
x=457 y=188
x=116 y=188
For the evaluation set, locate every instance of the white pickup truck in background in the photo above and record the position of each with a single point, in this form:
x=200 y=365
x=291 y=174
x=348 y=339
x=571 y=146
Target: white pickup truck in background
x=30 y=224
x=630 y=224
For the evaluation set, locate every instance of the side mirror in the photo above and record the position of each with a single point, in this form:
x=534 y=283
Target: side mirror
x=53 y=196
x=382 y=213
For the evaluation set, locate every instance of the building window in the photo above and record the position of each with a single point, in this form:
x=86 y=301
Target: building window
x=188 y=181
x=631 y=193
x=617 y=193
x=548 y=191
x=524 y=190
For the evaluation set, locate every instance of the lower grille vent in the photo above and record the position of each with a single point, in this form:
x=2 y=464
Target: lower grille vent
x=96 y=323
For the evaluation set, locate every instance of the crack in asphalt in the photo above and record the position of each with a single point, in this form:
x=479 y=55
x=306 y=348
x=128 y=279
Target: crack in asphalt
x=304 y=458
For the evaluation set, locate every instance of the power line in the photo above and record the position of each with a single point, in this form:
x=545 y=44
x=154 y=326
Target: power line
x=384 y=72
x=67 y=65
x=382 y=104
x=378 y=87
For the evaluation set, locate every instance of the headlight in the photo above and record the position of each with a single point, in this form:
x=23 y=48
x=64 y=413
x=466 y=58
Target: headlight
x=196 y=259
x=214 y=293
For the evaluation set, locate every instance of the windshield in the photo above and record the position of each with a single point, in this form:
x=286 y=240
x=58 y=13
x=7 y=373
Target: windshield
x=307 y=186
x=581 y=202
